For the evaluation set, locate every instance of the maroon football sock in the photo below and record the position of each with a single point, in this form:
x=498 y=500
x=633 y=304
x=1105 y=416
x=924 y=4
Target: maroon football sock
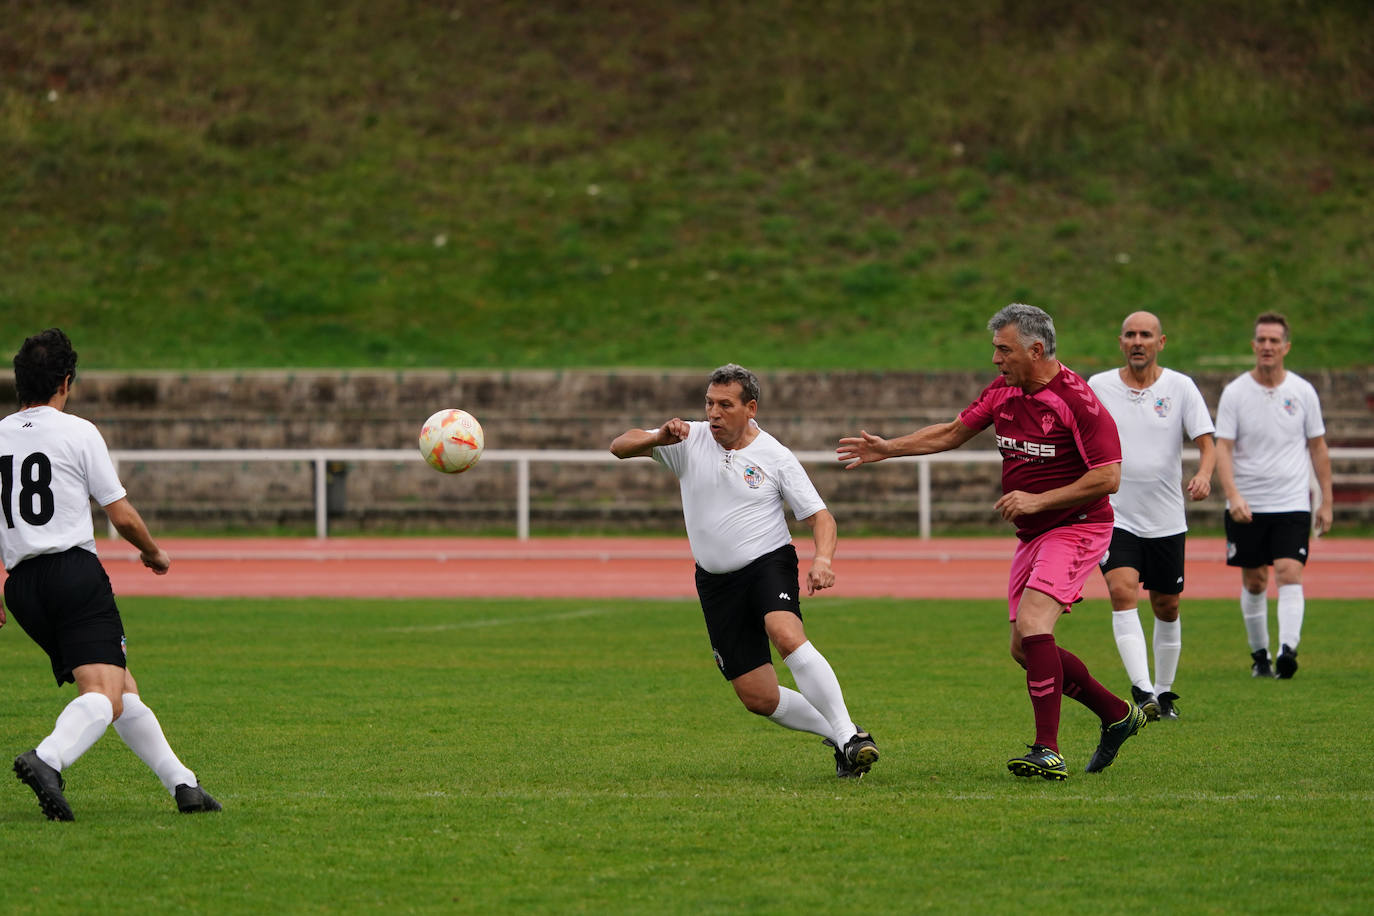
x=1081 y=686
x=1045 y=684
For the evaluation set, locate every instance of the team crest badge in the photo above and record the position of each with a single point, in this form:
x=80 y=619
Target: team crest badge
x=1046 y=421
x=753 y=475
x=1162 y=406
x=1289 y=406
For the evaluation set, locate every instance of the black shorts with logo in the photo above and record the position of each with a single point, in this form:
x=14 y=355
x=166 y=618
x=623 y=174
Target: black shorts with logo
x=1158 y=560
x=65 y=603
x=1267 y=537
x=735 y=603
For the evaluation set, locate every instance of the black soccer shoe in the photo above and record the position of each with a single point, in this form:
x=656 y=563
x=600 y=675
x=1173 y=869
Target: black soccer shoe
x=842 y=768
x=1167 y=709
x=46 y=783
x=861 y=752
x=1286 y=664
x=1147 y=703
x=1113 y=736
x=1260 y=666
x=192 y=799
x=1042 y=762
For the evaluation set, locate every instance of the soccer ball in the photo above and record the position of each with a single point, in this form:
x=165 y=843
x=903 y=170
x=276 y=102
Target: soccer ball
x=452 y=441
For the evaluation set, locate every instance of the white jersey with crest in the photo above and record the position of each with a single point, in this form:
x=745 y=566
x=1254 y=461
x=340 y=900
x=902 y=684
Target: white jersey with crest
x=52 y=465
x=1270 y=427
x=1152 y=424
x=732 y=500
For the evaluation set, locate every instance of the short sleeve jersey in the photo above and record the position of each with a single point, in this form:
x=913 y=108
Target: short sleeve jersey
x=1152 y=424
x=1270 y=428
x=1048 y=440
x=52 y=465
x=732 y=501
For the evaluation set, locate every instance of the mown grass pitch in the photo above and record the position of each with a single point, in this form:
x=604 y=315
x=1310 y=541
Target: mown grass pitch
x=584 y=755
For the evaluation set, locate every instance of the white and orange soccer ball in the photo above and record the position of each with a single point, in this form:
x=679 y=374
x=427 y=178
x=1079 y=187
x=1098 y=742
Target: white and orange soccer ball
x=452 y=441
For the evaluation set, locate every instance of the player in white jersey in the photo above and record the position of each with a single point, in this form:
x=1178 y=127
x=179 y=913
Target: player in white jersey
x=52 y=465
x=1154 y=409
x=1270 y=440
x=735 y=480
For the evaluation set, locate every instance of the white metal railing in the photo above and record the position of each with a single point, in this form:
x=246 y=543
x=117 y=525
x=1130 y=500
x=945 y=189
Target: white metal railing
x=523 y=458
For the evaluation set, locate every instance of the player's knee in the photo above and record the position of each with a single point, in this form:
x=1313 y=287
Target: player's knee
x=757 y=697
x=759 y=705
x=1123 y=597
x=1164 y=605
x=1288 y=572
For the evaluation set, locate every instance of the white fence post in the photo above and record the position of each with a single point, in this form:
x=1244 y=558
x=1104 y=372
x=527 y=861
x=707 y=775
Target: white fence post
x=321 y=498
x=923 y=497
x=522 y=498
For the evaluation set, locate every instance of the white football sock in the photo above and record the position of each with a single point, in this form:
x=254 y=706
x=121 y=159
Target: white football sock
x=796 y=713
x=817 y=682
x=1291 y=606
x=139 y=728
x=79 y=726
x=1168 y=644
x=1130 y=642
x=1255 y=610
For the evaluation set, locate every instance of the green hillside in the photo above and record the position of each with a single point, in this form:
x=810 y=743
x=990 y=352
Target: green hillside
x=787 y=184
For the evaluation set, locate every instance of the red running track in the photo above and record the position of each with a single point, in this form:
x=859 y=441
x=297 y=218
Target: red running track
x=635 y=568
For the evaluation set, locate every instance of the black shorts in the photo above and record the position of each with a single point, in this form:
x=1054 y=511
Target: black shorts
x=65 y=603
x=1267 y=537
x=1159 y=561
x=735 y=603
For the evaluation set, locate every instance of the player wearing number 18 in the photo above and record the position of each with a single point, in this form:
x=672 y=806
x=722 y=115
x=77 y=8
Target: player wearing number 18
x=51 y=465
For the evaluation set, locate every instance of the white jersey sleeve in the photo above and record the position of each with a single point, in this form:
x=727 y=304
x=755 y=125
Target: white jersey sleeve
x=733 y=501
x=52 y=465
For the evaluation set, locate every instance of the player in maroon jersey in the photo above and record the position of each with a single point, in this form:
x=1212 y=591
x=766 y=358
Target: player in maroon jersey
x=1061 y=459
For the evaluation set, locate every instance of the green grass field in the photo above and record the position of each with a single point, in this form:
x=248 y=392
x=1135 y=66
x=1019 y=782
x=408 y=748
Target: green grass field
x=584 y=756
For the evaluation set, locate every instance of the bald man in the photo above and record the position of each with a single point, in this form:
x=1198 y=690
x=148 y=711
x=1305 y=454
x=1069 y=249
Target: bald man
x=1154 y=408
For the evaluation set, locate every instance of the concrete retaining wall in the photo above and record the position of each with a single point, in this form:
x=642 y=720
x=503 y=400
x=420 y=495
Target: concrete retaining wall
x=554 y=409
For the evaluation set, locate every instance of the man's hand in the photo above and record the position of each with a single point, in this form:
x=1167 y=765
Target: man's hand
x=1199 y=487
x=674 y=431
x=1240 y=511
x=1325 y=519
x=1017 y=503
x=866 y=448
x=157 y=561
x=819 y=576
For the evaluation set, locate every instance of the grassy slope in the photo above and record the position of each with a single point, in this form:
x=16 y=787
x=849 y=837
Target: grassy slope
x=788 y=184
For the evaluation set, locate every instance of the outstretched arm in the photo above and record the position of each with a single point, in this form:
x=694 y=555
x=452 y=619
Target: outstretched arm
x=130 y=525
x=637 y=443
x=867 y=448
